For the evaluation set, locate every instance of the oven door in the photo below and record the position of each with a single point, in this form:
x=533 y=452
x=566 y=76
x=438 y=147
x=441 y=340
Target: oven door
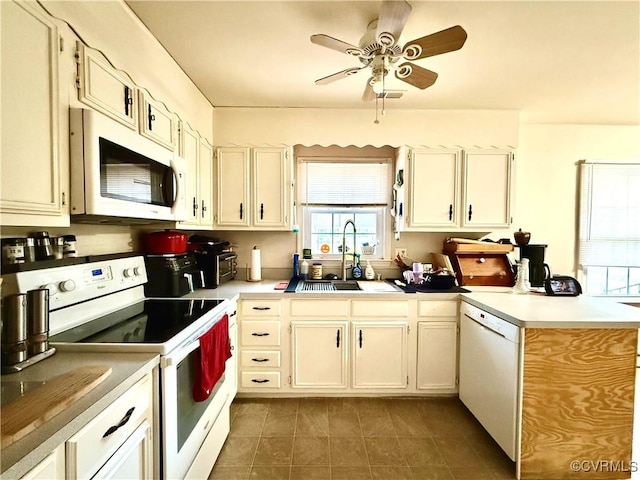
x=185 y=422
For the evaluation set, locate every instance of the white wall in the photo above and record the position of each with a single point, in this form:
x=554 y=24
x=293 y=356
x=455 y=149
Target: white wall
x=547 y=180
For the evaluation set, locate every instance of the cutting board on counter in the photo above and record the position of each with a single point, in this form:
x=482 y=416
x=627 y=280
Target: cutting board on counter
x=25 y=414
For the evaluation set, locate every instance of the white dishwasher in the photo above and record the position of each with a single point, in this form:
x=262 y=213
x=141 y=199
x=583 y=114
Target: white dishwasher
x=490 y=373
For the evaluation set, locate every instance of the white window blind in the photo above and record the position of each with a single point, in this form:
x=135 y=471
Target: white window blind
x=346 y=183
x=609 y=233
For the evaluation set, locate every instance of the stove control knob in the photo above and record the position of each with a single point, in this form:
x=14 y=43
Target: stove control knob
x=136 y=271
x=51 y=287
x=129 y=272
x=67 y=286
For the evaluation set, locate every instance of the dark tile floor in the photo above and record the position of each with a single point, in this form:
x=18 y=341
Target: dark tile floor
x=358 y=438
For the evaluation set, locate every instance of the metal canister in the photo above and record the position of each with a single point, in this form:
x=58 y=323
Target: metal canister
x=38 y=321
x=57 y=247
x=69 y=247
x=316 y=271
x=44 y=250
x=30 y=250
x=13 y=250
x=14 y=329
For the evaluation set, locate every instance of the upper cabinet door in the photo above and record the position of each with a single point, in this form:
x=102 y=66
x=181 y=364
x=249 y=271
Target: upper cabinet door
x=104 y=88
x=434 y=189
x=232 y=187
x=34 y=179
x=487 y=188
x=189 y=143
x=157 y=123
x=271 y=188
x=205 y=179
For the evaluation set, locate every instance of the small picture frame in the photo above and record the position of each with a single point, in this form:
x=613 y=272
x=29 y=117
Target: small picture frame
x=562 y=286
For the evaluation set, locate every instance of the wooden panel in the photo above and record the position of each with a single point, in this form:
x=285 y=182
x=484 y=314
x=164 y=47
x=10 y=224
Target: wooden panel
x=578 y=393
x=483 y=269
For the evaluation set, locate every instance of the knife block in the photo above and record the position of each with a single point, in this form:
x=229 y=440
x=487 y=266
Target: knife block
x=483 y=264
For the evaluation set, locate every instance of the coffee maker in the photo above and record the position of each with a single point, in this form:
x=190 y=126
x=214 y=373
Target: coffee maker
x=538 y=270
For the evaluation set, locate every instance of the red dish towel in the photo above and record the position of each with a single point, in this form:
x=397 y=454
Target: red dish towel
x=215 y=349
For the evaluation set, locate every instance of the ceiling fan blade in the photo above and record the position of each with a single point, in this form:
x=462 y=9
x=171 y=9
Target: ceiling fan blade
x=335 y=44
x=393 y=16
x=368 y=93
x=417 y=76
x=444 y=41
x=338 y=76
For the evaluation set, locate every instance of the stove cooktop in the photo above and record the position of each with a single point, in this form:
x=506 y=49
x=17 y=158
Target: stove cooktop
x=152 y=321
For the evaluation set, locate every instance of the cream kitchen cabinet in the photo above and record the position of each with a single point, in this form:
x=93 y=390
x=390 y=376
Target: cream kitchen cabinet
x=379 y=357
x=51 y=468
x=106 y=89
x=157 y=123
x=437 y=359
x=197 y=152
x=33 y=117
x=434 y=189
x=319 y=354
x=458 y=190
x=260 y=345
x=487 y=188
x=253 y=188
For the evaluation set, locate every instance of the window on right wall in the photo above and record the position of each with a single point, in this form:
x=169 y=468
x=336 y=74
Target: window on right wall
x=609 y=228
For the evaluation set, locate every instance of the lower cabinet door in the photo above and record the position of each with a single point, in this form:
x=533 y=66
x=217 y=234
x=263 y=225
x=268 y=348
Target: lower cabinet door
x=379 y=354
x=133 y=458
x=319 y=354
x=437 y=346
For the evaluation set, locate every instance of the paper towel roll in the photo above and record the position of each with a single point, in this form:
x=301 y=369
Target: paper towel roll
x=256 y=269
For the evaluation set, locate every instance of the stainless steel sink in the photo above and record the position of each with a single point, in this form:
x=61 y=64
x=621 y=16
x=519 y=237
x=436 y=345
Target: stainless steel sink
x=326 y=285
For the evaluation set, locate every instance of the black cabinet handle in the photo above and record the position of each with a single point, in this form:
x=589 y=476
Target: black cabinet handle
x=125 y=419
x=235 y=312
x=195 y=206
x=151 y=117
x=259 y=380
x=261 y=211
x=262 y=334
x=241 y=211
x=400 y=209
x=360 y=339
x=338 y=339
x=260 y=360
x=450 y=211
x=262 y=308
x=470 y=211
x=128 y=101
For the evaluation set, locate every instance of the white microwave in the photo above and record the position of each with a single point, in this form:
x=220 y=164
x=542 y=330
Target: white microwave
x=115 y=172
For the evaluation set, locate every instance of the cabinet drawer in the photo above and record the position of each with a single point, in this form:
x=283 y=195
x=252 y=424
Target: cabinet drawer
x=89 y=449
x=437 y=308
x=380 y=308
x=260 y=358
x=260 y=308
x=319 y=308
x=260 y=332
x=260 y=380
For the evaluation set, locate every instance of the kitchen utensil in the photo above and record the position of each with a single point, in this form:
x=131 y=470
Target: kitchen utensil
x=14 y=329
x=439 y=282
x=36 y=407
x=38 y=321
x=522 y=238
x=167 y=241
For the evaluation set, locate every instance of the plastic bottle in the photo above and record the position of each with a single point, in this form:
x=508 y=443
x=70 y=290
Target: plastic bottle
x=304 y=269
x=296 y=266
x=356 y=271
x=369 y=273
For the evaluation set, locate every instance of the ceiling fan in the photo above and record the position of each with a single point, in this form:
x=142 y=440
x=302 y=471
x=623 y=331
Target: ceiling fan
x=380 y=51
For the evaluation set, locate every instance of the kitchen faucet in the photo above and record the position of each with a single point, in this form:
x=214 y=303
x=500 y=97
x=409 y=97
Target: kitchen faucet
x=344 y=246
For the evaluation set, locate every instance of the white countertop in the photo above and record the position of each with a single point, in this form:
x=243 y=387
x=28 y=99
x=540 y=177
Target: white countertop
x=532 y=310
x=127 y=368
x=541 y=311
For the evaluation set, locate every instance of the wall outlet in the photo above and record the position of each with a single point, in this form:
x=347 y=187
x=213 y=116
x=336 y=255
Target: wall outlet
x=401 y=251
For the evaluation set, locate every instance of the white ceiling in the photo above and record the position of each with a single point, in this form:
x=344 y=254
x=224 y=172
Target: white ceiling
x=555 y=61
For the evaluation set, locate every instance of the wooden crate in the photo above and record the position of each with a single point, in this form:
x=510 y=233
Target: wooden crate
x=477 y=265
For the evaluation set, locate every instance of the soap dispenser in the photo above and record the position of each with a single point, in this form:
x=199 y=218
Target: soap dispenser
x=369 y=274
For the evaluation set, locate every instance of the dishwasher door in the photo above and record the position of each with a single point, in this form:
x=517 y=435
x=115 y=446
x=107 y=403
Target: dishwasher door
x=489 y=373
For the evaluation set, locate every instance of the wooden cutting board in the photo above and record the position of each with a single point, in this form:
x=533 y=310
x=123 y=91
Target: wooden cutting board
x=30 y=411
